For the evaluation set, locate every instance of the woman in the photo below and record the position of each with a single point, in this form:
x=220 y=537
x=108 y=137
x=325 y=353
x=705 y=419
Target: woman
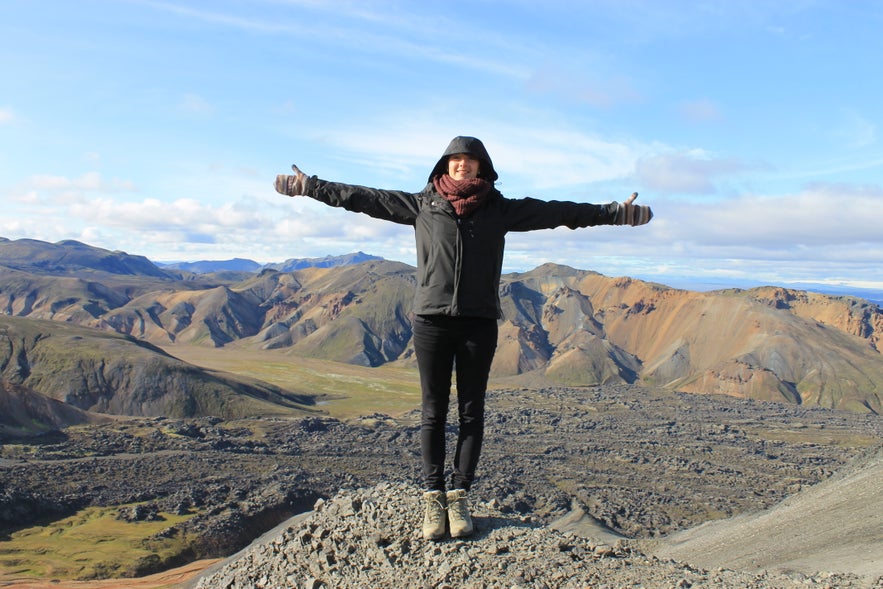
x=460 y=222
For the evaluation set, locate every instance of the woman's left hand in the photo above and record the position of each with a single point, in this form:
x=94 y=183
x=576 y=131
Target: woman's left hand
x=631 y=214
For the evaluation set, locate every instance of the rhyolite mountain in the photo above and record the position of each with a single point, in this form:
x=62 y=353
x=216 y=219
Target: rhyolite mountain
x=561 y=325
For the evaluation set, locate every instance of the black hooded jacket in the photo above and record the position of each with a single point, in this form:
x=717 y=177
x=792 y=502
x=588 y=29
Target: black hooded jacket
x=459 y=260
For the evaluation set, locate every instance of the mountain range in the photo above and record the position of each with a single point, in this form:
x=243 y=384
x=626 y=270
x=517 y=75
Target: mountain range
x=83 y=326
x=289 y=265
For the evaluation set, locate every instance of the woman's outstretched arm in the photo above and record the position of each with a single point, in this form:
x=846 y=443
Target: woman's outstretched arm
x=389 y=205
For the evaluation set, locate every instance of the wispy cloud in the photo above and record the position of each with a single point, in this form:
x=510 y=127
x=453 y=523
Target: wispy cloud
x=549 y=154
x=53 y=185
x=403 y=34
x=687 y=172
x=219 y=18
x=820 y=217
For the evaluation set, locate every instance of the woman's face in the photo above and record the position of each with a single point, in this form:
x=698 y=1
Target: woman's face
x=462 y=166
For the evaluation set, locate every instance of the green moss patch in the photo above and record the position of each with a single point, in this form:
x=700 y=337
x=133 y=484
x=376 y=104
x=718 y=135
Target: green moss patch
x=93 y=544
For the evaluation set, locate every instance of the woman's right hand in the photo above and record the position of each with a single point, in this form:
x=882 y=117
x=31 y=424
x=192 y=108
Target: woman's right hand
x=291 y=185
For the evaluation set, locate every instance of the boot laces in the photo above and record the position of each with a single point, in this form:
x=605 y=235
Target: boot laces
x=436 y=510
x=458 y=508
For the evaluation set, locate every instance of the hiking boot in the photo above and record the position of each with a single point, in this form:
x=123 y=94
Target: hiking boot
x=459 y=519
x=434 y=515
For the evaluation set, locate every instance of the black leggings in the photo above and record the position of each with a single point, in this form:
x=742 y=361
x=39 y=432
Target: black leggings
x=441 y=343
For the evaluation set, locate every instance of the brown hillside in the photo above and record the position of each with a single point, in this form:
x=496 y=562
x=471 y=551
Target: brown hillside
x=214 y=316
x=108 y=373
x=55 y=298
x=849 y=314
x=732 y=342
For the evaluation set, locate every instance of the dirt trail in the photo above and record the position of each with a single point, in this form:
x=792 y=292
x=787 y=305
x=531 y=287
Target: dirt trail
x=171 y=579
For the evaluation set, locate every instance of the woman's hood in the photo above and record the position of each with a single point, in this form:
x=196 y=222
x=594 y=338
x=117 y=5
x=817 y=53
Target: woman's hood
x=471 y=146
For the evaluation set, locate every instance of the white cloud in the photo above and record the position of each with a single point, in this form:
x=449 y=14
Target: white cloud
x=556 y=156
x=825 y=231
x=62 y=190
x=187 y=215
x=548 y=154
x=819 y=217
x=90 y=181
x=6 y=116
x=390 y=32
x=686 y=172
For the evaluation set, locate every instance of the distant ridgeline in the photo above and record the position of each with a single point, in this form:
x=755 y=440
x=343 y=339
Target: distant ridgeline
x=290 y=265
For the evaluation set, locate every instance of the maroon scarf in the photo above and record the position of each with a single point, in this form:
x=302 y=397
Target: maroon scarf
x=464 y=195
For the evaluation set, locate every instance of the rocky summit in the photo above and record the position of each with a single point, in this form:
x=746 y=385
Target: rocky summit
x=370 y=537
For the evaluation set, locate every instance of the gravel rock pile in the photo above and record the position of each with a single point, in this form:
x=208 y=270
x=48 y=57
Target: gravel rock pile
x=371 y=538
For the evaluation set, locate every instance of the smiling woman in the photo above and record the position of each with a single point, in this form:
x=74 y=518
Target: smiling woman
x=460 y=221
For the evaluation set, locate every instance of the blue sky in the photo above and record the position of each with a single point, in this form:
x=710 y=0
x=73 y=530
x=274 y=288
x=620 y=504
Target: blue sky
x=157 y=127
